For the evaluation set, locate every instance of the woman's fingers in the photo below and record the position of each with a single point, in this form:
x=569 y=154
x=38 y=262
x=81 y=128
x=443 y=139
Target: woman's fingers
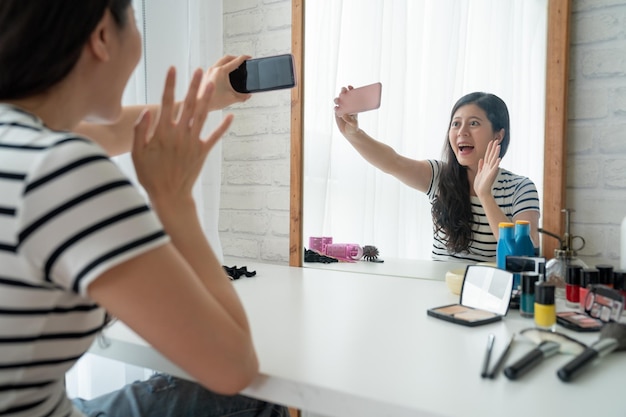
x=202 y=110
x=218 y=132
x=167 y=99
x=189 y=105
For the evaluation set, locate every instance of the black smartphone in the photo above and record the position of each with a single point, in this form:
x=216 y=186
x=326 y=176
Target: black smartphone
x=264 y=74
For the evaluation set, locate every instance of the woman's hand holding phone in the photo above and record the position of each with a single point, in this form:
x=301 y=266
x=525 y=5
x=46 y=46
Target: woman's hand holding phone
x=357 y=100
x=218 y=74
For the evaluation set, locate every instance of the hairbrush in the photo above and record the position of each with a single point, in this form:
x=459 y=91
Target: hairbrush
x=612 y=338
x=370 y=253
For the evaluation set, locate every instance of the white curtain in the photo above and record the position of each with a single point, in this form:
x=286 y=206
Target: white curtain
x=427 y=54
x=186 y=34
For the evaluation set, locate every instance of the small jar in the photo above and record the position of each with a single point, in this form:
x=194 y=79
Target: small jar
x=545 y=309
x=572 y=285
x=527 y=296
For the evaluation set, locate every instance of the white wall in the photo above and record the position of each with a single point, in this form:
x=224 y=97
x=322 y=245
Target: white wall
x=254 y=212
x=596 y=170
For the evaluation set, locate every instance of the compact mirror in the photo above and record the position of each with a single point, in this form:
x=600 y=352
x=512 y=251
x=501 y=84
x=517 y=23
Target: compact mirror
x=487 y=288
x=485 y=297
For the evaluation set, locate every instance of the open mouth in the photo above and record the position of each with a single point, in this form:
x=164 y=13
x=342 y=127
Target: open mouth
x=465 y=149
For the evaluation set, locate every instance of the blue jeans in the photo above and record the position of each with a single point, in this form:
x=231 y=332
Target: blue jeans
x=163 y=395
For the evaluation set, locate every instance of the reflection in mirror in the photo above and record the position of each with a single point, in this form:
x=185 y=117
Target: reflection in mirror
x=427 y=54
x=487 y=288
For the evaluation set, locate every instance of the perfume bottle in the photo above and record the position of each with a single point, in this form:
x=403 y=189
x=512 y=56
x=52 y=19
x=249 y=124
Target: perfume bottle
x=556 y=268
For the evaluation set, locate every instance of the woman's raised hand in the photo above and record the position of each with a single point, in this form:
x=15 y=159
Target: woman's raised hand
x=169 y=159
x=488 y=168
x=348 y=124
x=218 y=74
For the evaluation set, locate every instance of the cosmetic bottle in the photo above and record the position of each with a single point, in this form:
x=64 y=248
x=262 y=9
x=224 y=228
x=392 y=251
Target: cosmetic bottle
x=506 y=244
x=573 y=278
x=344 y=251
x=545 y=309
x=605 y=275
x=619 y=282
x=556 y=268
x=622 y=249
x=590 y=277
x=315 y=243
x=523 y=243
x=527 y=296
x=523 y=246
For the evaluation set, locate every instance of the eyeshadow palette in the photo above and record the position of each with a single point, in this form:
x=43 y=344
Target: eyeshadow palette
x=579 y=322
x=485 y=297
x=461 y=314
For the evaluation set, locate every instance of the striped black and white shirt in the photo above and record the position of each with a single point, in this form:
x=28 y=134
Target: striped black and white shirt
x=67 y=214
x=513 y=193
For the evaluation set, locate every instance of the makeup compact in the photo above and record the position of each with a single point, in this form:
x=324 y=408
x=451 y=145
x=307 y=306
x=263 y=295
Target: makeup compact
x=602 y=304
x=485 y=297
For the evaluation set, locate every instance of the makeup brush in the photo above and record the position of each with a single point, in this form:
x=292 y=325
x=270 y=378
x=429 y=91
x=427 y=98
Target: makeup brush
x=612 y=338
x=549 y=344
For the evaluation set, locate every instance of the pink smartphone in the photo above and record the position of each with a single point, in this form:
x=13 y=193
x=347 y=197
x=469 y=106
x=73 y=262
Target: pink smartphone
x=359 y=99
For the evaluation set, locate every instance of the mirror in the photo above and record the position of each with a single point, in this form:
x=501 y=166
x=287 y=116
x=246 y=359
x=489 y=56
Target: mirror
x=554 y=147
x=487 y=288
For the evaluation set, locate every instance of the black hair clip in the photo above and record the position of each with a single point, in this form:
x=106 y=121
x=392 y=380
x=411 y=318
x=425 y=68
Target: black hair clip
x=312 y=256
x=236 y=273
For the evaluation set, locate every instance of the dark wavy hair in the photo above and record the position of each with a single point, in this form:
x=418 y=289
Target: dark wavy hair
x=40 y=42
x=451 y=208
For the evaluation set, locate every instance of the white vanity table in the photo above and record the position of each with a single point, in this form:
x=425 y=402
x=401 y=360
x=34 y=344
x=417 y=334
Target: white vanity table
x=348 y=344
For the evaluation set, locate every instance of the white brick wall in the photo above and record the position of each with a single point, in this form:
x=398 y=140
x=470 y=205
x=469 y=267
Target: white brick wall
x=596 y=170
x=254 y=219
x=254 y=210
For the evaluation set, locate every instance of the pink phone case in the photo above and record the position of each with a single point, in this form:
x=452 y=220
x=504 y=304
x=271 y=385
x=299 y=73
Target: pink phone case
x=359 y=99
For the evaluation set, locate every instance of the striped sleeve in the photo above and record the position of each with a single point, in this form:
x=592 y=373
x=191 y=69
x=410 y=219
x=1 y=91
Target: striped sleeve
x=80 y=215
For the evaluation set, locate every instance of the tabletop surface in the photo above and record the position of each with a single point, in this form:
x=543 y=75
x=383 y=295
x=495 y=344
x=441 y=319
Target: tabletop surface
x=356 y=344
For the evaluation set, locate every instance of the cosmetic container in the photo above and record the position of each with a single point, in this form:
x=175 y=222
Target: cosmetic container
x=523 y=243
x=573 y=278
x=527 y=296
x=619 y=282
x=556 y=268
x=326 y=240
x=590 y=277
x=523 y=247
x=344 y=251
x=622 y=250
x=545 y=309
x=315 y=243
x=605 y=275
x=506 y=244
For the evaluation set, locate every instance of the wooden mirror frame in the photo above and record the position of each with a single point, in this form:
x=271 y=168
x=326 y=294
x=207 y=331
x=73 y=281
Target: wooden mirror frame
x=555 y=149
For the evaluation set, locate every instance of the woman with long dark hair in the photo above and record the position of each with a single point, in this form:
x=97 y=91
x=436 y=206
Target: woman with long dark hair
x=469 y=192
x=77 y=239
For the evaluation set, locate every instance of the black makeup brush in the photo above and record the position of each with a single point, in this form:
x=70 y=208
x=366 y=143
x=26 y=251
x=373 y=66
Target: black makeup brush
x=612 y=337
x=549 y=344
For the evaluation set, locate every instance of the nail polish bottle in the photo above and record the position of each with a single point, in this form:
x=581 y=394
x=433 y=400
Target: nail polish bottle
x=572 y=285
x=605 y=275
x=619 y=282
x=527 y=297
x=545 y=309
x=590 y=277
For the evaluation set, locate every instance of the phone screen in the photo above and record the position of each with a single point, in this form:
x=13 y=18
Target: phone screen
x=264 y=74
